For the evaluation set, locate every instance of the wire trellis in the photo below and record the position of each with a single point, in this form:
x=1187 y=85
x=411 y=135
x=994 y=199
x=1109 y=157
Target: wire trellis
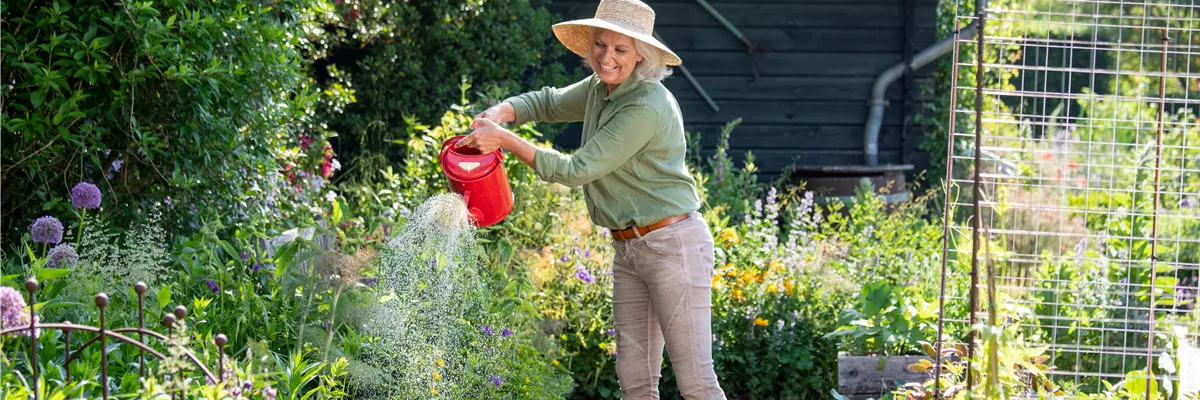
x=1073 y=175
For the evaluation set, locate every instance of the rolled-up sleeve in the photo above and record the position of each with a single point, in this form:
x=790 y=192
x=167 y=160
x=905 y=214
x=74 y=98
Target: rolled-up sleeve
x=551 y=104
x=613 y=144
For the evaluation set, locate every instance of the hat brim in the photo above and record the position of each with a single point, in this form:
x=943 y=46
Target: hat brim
x=576 y=35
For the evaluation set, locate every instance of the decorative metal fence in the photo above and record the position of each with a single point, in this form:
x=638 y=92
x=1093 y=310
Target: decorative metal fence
x=103 y=333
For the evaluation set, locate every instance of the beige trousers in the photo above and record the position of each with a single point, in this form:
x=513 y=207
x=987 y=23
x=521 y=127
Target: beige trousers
x=662 y=295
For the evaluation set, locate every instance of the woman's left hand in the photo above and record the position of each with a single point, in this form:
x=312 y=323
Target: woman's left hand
x=486 y=138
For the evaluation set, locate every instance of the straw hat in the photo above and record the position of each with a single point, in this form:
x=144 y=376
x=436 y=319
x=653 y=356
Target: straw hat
x=632 y=18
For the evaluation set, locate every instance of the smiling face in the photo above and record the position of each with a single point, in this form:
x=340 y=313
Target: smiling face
x=614 y=57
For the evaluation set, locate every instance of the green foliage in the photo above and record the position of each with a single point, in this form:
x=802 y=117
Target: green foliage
x=403 y=61
x=887 y=321
x=187 y=100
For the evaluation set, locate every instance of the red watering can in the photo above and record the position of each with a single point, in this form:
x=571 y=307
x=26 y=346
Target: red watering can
x=480 y=180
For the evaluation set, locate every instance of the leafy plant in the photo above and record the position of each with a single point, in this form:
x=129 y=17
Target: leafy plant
x=886 y=322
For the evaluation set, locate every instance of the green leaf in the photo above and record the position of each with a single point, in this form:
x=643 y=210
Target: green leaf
x=47 y=274
x=337 y=213
x=171 y=20
x=164 y=296
x=36 y=98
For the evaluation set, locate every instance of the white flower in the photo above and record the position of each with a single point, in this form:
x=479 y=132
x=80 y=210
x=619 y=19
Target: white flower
x=330 y=196
x=334 y=165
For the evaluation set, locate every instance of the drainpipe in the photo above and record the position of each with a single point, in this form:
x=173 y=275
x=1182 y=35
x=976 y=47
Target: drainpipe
x=878 y=102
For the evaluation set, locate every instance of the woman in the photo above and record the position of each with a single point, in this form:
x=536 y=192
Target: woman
x=631 y=167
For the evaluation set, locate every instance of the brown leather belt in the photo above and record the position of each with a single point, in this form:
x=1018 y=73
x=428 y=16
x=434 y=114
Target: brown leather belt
x=626 y=234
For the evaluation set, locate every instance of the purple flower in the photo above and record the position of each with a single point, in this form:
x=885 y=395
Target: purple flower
x=11 y=306
x=564 y=258
x=63 y=255
x=487 y=329
x=116 y=165
x=269 y=393
x=256 y=267
x=47 y=230
x=612 y=332
x=245 y=256
x=506 y=332
x=587 y=253
x=496 y=380
x=85 y=195
x=1186 y=203
x=583 y=274
x=248 y=384
x=212 y=285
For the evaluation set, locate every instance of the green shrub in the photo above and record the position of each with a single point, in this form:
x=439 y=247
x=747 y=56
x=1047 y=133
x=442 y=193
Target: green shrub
x=406 y=59
x=184 y=101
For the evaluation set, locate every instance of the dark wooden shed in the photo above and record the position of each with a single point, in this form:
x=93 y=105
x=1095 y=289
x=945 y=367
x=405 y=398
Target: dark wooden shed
x=816 y=64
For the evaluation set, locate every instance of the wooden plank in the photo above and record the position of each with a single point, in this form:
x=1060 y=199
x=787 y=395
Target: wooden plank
x=778 y=88
x=862 y=375
x=552 y=4
x=780 y=112
x=833 y=14
x=801 y=137
x=774 y=161
x=737 y=63
x=785 y=39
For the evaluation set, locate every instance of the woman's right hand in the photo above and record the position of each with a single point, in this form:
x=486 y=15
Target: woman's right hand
x=500 y=114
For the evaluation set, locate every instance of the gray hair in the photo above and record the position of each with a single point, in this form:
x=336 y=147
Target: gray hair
x=652 y=68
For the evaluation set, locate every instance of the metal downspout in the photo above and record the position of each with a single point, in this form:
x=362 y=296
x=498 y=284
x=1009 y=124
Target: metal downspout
x=878 y=100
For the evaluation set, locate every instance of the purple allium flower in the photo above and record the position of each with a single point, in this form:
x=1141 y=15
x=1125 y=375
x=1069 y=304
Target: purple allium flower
x=496 y=380
x=245 y=256
x=11 y=306
x=506 y=332
x=116 y=165
x=63 y=255
x=212 y=285
x=46 y=230
x=85 y=195
x=487 y=329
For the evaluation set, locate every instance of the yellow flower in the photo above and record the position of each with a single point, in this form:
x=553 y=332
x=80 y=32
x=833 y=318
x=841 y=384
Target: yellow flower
x=717 y=283
x=772 y=288
x=441 y=363
x=776 y=266
x=729 y=236
x=788 y=286
x=437 y=376
x=761 y=322
x=730 y=269
x=527 y=379
x=737 y=294
x=554 y=363
x=434 y=390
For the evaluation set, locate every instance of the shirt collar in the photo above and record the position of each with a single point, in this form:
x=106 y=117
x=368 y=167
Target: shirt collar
x=625 y=87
